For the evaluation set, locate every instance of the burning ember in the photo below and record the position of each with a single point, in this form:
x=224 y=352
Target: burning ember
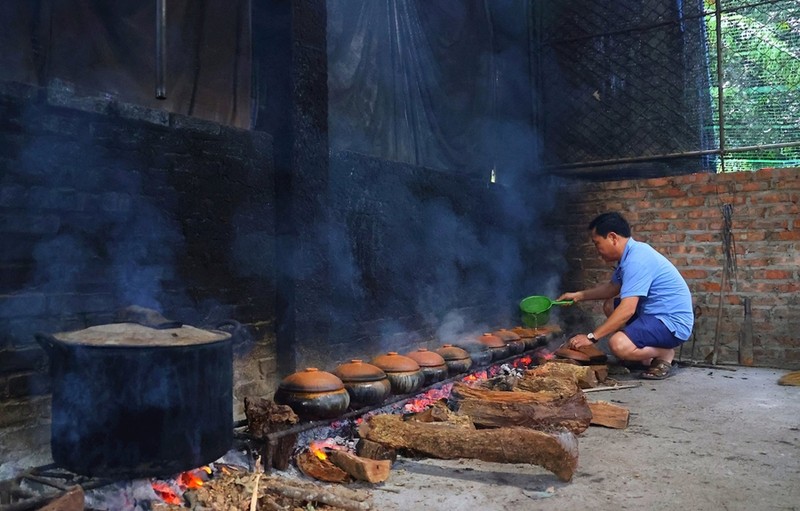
x=172 y=491
x=428 y=398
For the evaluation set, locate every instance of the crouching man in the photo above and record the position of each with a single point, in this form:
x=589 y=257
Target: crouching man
x=648 y=304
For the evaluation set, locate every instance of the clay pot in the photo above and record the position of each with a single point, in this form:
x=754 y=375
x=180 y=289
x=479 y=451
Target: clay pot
x=457 y=359
x=404 y=373
x=431 y=364
x=313 y=394
x=367 y=384
x=530 y=336
x=496 y=346
x=514 y=342
x=480 y=354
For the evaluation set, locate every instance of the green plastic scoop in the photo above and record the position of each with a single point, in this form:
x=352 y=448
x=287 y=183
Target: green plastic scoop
x=536 y=310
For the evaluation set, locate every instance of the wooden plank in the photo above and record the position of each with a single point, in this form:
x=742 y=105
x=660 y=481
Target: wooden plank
x=609 y=415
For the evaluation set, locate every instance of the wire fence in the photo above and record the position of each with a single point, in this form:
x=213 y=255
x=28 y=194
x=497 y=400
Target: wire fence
x=669 y=86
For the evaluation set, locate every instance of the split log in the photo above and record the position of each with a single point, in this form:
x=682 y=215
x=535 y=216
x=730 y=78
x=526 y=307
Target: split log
x=536 y=410
x=321 y=469
x=563 y=387
x=72 y=500
x=362 y=469
x=375 y=451
x=583 y=375
x=609 y=415
x=557 y=453
x=264 y=416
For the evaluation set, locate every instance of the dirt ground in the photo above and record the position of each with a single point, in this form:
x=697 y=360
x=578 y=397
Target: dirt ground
x=702 y=439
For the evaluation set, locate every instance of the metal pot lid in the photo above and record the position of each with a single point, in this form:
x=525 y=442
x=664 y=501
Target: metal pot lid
x=426 y=358
x=491 y=341
x=392 y=362
x=311 y=379
x=357 y=370
x=134 y=335
x=450 y=352
x=507 y=335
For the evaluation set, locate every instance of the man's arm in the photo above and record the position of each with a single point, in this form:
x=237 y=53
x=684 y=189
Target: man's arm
x=622 y=313
x=601 y=292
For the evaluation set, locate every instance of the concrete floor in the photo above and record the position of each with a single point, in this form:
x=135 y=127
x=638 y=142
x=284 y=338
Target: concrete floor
x=702 y=439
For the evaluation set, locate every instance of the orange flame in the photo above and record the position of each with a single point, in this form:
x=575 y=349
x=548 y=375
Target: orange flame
x=523 y=361
x=166 y=493
x=193 y=479
x=318 y=447
x=172 y=491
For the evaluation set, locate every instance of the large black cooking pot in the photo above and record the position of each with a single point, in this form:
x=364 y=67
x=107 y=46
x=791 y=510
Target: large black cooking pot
x=132 y=401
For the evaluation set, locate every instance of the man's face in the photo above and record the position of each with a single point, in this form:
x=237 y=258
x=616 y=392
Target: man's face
x=607 y=246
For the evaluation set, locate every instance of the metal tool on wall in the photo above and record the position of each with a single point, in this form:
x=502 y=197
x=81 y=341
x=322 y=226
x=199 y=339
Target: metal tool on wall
x=728 y=272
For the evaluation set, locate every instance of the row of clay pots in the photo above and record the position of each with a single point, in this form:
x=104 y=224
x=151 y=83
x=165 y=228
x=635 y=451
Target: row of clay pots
x=315 y=394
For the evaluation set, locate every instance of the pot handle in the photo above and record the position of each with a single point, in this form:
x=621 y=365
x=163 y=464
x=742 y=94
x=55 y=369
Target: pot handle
x=51 y=345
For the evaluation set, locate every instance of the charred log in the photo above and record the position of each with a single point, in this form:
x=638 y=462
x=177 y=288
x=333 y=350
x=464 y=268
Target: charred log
x=544 y=411
x=557 y=453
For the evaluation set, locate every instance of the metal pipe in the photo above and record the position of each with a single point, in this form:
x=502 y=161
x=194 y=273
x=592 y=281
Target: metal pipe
x=658 y=157
x=161 y=49
x=271 y=437
x=720 y=87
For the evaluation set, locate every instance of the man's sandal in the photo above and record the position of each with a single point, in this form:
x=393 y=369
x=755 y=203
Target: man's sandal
x=658 y=370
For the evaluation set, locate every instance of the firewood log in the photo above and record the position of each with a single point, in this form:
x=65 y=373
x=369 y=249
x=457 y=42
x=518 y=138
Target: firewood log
x=557 y=453
x=609 y=415
x=321 y=469
x=264 y=416
x=583 y=375
x=563 y=387
x=362 y=469
x=536 y=410
x=374 y=451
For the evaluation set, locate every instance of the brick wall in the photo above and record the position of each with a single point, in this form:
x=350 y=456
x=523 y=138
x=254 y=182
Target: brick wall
x=104 y=205
x=682 y=218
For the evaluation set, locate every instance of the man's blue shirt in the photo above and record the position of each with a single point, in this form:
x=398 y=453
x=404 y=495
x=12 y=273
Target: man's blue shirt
x=662 y=292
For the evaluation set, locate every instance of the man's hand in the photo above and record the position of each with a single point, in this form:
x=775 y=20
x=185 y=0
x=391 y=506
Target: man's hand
x=579 y=341
x=575 y=297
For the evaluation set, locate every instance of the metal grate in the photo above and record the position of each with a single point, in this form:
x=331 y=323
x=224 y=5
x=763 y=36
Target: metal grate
x=640 y=81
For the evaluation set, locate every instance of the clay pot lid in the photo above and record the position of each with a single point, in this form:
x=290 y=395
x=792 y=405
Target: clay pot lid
x=450 y=352
x=392 y=362
x=507 y=335
x=134 y=335
x=426 y=358
x=527 y=333
x=358 y=370
x=491 y=341
x=572 y=354
x=311 y=379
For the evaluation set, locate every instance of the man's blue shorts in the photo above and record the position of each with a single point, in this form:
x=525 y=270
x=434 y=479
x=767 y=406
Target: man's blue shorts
x=646 y=330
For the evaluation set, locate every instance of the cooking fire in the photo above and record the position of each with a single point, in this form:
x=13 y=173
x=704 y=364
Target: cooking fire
x=352 y=423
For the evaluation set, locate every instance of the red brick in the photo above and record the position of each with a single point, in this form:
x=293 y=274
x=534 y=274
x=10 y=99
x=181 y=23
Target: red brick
x=666 y=192
x=785 y=235
x=688 y=202
x=703 y=236
x=775 y=274
x=750 y=236
x=694 y=274
x=656 y=182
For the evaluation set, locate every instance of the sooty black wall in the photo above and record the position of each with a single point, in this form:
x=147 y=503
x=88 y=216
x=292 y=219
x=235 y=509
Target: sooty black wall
x=106 y=205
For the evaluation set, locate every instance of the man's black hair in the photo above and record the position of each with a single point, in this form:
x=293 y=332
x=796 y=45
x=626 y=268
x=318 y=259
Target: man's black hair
x=610 y=222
